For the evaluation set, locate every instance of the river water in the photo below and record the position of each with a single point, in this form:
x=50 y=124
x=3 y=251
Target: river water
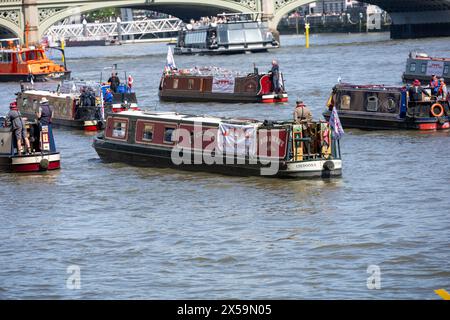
x=165 y=234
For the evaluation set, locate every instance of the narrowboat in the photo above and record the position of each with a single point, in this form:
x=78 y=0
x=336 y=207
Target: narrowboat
x=226 y=34
x=421 y=66
x=75 y=104
x=213 y=84
x=383 y=107
x=44 y=156
x=243 y=147
x=28 y=63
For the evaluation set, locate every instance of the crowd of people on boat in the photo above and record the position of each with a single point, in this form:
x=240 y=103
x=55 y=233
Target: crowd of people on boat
x=436 y=89
x=213 y=21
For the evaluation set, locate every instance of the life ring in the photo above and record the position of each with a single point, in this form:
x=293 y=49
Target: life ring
x=435 y=114
x=329 y=165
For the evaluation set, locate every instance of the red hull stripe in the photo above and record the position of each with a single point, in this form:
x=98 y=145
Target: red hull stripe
x=34 y=167
x=90 y=128
x=427 y=126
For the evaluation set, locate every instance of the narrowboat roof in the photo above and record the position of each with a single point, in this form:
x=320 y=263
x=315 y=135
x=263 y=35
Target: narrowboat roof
x=48 y=93
x=377 y=87
x=175 y=116
x=424 y=56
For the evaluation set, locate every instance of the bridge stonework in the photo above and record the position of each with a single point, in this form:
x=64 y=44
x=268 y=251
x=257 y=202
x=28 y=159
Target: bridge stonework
x=411 y=18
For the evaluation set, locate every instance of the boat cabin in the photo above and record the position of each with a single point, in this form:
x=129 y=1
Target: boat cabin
x=23 y=64
x=227 y=33
x=219 y=85
x=421 y=66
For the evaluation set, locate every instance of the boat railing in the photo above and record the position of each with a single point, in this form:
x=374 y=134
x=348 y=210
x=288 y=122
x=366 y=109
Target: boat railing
x=418 y=109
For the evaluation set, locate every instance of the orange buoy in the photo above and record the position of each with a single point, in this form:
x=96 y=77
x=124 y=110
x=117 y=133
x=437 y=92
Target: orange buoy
x=433 y=110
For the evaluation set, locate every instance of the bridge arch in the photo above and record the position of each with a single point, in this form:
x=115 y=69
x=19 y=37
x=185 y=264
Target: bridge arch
x=173 y=7
x=12 y=28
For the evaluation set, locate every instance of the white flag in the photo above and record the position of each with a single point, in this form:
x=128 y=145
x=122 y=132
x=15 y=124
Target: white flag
x=170 y=64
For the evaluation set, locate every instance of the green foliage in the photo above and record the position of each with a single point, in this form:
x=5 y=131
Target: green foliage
x=102 y=14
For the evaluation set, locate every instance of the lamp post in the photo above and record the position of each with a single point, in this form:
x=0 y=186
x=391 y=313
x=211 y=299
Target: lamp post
x=84 y=28
x=119 y=29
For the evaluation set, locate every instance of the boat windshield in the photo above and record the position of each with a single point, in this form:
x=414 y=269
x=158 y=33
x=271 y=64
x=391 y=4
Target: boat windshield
x=32 y=55
x=195 y=38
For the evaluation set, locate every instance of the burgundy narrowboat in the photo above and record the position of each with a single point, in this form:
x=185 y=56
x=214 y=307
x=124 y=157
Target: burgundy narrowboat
x=242 y=147
x=381 y=107
x=216 y=85
x=44 y=156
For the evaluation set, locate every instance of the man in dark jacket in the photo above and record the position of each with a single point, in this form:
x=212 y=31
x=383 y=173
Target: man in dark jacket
x=15 y=120
x=44 y=113
x=114 y=82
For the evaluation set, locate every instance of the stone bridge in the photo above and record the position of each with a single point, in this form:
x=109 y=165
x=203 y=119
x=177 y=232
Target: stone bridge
x=411 y=18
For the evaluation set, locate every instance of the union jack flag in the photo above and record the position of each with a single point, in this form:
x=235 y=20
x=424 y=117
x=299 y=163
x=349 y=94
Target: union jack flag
x=336 y=125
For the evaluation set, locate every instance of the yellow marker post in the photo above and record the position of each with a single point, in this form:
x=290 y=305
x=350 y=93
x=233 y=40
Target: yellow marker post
x=443 y=294
x=63 y=45
x=307 y=34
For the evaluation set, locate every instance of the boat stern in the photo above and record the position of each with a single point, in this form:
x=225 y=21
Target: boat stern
x=36 y=162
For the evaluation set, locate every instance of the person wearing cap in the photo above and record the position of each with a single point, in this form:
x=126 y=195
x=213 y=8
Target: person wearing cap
x=416 y=91
x=44 y=113
x=302 y=114
x=15 y=120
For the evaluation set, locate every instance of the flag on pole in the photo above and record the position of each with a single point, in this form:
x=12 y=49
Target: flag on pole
x=170 y=64
x=336 y=125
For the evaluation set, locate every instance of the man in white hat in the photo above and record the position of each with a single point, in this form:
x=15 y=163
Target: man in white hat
x=44 y=113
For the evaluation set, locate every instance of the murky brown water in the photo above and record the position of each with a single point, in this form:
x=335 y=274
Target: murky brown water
x=148 y=233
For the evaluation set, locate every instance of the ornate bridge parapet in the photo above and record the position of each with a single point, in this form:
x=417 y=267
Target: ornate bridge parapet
x=410 y=18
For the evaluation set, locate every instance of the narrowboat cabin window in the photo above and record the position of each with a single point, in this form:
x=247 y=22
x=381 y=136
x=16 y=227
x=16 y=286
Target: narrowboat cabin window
x=191 y=84
x=412 y=67
x=391 y=105
x=119 y=129
x=423 y=68
x=5 y=57
x=168 y=135
x=175 y=83
x=372 y=104
x=147 y=133
x=345 y=102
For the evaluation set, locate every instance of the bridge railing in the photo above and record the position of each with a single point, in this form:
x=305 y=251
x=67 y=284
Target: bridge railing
x=112 y=29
